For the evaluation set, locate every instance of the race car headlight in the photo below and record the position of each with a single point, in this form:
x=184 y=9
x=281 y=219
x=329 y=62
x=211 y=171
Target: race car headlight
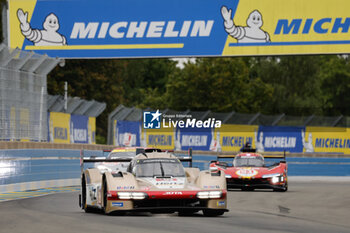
x=271 y=175
x=209 y=194
x=228 y=176
x=132 y=195
x=275 y=179
x=138 y=195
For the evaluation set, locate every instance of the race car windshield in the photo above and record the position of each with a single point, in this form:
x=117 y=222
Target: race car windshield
x=124 y=154
x=253 y=161
x=159 y=168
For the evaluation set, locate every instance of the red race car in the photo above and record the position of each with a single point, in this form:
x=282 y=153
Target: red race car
x=249 y=171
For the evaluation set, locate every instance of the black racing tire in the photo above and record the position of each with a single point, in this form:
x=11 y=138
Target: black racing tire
x=282 y=189
x=86 y=208
x=213 y=213
x=286 y=186
x=104 y=191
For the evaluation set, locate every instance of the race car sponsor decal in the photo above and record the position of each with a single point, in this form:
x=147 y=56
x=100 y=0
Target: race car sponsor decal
x=165 y=183
x=172 y=193
x=211 y=186
x=183 y=194
x=118 y=204
x=220 y=203
x=246 y=172
x=125 y=187
x=92 y=193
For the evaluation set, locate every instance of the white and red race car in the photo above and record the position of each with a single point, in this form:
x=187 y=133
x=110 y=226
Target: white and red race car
x=155 y=182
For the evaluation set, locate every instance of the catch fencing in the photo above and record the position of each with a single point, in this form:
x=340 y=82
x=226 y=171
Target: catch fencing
x=23 y=94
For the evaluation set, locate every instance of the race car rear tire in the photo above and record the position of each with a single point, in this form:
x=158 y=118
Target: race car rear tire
x=213 y=213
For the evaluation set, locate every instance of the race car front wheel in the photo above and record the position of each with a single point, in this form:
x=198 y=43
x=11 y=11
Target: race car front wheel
x=282 y=189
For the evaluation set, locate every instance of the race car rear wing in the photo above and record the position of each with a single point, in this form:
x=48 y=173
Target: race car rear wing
x=141 y=150
x=265 y=155
x=95 y=159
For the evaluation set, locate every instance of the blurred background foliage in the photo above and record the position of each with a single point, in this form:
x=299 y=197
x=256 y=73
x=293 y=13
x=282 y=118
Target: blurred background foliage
x=294 y=85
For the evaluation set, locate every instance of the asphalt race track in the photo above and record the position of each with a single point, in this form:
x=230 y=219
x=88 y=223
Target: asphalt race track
x=307 y=207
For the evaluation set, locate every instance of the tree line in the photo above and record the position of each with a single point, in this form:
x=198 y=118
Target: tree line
x=294 y=85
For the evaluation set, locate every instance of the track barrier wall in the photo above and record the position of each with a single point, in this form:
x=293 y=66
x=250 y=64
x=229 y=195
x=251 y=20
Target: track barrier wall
x=39 y=166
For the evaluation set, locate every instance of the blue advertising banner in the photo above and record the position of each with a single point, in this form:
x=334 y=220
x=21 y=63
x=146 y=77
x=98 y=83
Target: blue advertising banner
x=195 y=138
x=114 y=28
x=79 y=129
x=176 y=28
x=279 y=138
x=127 y=133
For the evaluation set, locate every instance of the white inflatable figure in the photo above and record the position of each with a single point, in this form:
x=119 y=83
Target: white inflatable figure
x=213 y=143
x=177 y=140
x=218 y=145
x=116 y=136
x=259 y=144
x=46 y=37
x=307 y=144
x=252 y=33
x=71 y=130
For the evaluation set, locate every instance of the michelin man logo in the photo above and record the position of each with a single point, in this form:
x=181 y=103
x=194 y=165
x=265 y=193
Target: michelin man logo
x=252 y=33
x=259 y=143
x=307 y=144
x=46 y=37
